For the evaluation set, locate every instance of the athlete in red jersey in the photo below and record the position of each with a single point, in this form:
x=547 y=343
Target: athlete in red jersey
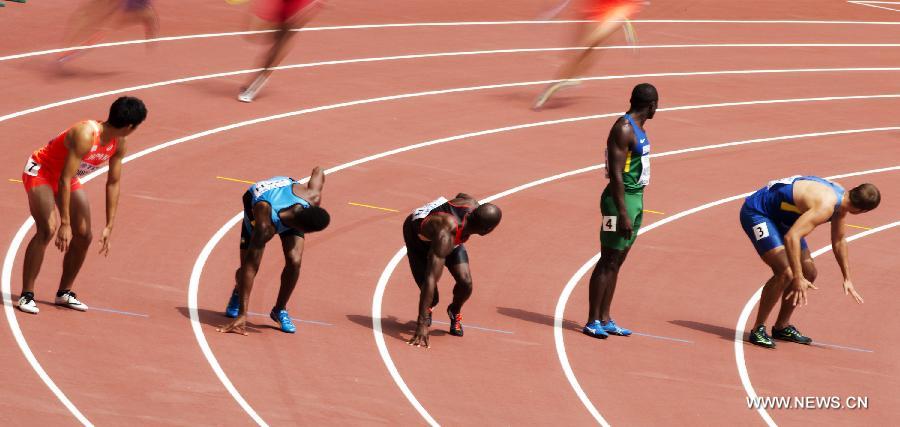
x=52 y=174
x=606 y=17
x=282 y=16
x=434 y=236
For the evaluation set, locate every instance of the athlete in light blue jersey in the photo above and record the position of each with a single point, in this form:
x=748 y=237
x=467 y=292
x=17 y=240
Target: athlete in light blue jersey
x=285 y=207
x=777 y=218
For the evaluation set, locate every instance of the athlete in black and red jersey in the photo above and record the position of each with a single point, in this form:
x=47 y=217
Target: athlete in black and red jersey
x=434 y=236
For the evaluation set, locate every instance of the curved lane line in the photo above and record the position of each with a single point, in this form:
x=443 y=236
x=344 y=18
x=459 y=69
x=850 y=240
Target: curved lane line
x=20 y=235
x=426 y=24
x=570 y=286
x=466 y=89
x=745 y=316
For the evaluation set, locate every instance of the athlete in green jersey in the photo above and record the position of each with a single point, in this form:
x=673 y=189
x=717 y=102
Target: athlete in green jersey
x=622 y=204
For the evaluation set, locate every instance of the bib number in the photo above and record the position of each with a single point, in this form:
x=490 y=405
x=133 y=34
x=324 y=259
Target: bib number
x=609 y=223
x=423 y=211
x=85 y=168
x=32 y=167
x=786 y=181
x=263 y=187
x=645 y=170
x=760 y=231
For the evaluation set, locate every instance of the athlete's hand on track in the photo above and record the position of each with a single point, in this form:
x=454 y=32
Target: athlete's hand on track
x=850 y=290
x=797 y=294
x=238 y=326
x=104 y=241
x=420 y=339
x=625 y=228
x=63 y=236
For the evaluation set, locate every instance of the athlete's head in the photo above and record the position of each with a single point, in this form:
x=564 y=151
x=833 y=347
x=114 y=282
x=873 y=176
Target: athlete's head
x=644 y=98
x=308 y=220
x=863 y=198
x=484 y=219
x=126 y=113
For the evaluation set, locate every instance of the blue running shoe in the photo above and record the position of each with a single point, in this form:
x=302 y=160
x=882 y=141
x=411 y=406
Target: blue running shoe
x=595 y=330
x=283 y=319
x=234 y=306
x=612 y=328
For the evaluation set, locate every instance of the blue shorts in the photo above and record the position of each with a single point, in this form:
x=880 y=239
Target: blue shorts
x=764 y=233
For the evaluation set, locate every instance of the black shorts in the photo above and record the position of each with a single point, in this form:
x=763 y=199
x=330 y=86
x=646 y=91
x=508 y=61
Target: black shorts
x=417 y=252
x=248 y=223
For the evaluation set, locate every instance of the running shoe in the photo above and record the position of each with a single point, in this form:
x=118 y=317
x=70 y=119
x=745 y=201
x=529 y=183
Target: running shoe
x=611 y=328
x=790 y=333
x=550 y=90
x=27 y=304
x=249 y=93
x=758 y=336
x=456 y=328
x=283 y=319
x=234 y=305
x=595 y=330
x=68 y=299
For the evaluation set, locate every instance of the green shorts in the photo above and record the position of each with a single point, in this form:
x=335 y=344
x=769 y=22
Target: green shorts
x=634 y=205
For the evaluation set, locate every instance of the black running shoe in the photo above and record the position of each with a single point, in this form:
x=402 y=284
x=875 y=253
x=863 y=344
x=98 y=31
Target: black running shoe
x=758 y=336
x=790 y=333
x=456 y=328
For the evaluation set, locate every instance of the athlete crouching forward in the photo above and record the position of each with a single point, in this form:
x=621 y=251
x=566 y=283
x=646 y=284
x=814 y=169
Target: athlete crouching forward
x=777 y=218
x=434 y=235
x=285 y=207
x=52 y=179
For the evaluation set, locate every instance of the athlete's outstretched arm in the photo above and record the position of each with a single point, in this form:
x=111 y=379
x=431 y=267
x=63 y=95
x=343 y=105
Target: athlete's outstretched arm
x=839 y=247
x=263 y=231
x=441 y=246
x=804 y=225
x=617 y=146
x=315 y=184
x=78 y=140
x=112 y=194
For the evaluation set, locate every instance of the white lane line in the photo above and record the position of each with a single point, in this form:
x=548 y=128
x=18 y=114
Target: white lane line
x=876 y=4
x=573 y=281
x=17 y=331
x=385 y=277
x=376 y=307
x=470 y=53
x=193 y=286
x=18 y=239
x=748 y=308
x=426 y=24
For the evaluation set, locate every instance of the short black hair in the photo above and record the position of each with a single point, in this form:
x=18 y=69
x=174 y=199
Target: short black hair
x=485 y=217
x=313 y=219
x=126 y=111
x=865 y=197
x=643 y=95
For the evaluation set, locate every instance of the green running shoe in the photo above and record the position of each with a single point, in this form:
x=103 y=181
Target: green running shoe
x=758 y=336
x=790 y=333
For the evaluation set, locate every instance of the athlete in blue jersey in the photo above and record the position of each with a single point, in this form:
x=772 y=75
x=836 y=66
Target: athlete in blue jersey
x=285 y=207
x=777 y=218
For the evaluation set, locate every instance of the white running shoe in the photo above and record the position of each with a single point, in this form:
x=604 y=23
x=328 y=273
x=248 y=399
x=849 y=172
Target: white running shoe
x=547 y=93
x=248 y=94
x=68 y=300
x=27 y=304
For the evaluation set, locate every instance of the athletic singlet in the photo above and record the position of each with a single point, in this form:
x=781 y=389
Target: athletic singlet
x=442 y=206
x=279 y=194
x=52 y=157
x=776 y=200
x=636 y=170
